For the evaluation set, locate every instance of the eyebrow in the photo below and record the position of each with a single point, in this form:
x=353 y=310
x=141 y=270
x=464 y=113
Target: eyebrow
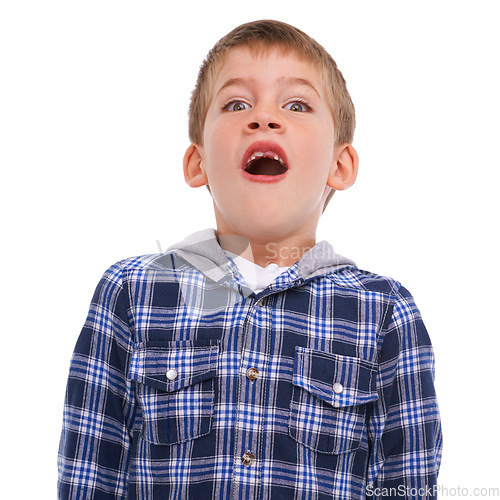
x=291 y=80
x=235 y=81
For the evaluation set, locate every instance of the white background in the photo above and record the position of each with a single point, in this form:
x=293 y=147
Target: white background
x=93 y=127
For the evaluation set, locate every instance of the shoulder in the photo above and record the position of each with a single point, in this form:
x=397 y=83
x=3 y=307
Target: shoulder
x=118 y=278
x=359 y=279
x=137 y=266
x=376 y=288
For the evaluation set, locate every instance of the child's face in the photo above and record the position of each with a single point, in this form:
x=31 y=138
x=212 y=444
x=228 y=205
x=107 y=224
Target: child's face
x=269 y=104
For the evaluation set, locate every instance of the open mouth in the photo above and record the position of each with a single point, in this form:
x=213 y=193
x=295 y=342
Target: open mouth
x=265 y=163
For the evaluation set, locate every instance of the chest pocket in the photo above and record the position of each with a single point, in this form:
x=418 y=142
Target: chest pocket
x=175 y=388
x=329 y=400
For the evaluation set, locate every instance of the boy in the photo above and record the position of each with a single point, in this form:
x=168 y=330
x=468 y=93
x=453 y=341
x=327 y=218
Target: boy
x=250 y=362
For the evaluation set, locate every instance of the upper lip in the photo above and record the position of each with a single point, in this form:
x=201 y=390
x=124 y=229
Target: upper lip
x=267 y=149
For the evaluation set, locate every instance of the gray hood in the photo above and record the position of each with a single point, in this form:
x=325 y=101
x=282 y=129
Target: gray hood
x=202 y=251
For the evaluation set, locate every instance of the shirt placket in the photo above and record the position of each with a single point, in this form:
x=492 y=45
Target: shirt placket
x=251 y=398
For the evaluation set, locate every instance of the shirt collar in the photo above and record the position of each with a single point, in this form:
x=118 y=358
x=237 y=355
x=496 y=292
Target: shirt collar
x=202 y=250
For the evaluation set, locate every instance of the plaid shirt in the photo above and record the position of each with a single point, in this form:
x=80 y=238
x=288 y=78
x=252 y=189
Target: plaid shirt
x=184 y=384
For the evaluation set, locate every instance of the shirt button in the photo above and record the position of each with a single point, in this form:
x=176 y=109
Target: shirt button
x=248 y=459
x=172 y=374
x=252 y=374
x=337 y=388
x=262 y=302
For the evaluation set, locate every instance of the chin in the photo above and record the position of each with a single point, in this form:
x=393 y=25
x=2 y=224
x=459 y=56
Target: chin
x=259 y=222
x=264 y=228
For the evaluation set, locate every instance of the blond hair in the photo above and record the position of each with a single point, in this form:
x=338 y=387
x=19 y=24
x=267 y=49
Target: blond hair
x=261 y=36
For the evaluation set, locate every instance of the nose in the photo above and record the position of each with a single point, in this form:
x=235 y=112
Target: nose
x=264 y=117
x=271 y=125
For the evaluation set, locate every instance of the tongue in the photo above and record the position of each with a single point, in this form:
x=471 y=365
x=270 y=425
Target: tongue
x=265 y=166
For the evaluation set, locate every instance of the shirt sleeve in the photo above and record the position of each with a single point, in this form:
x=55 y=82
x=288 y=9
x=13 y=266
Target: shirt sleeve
x=404 y=428
x=99 y=410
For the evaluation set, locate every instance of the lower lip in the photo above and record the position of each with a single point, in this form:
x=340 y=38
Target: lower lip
x=267 y=179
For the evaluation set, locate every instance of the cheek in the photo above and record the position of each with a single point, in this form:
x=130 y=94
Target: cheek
x=317 y=150
x=317 y=167
x=216 y=142
x=325 y=145
x=212 y=150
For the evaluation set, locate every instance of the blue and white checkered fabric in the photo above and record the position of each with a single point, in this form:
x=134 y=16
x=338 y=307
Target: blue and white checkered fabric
x=343 y=397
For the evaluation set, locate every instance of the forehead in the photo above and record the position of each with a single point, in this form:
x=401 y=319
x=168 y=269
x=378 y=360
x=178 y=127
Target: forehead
x=264 y=64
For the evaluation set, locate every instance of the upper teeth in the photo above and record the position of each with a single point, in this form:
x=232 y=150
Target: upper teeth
x=268 y=154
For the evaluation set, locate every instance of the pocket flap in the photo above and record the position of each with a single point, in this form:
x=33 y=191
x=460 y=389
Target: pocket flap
x=193 y=362
x=334 y=378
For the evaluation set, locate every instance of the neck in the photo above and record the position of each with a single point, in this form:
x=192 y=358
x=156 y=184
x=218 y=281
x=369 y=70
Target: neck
x=284 y=251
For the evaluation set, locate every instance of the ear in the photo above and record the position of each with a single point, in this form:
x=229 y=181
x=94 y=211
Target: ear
x=194 y=174
x=344 y=169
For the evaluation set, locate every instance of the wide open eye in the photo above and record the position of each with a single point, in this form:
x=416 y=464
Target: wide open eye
x=236 y=106
x=297 y=106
